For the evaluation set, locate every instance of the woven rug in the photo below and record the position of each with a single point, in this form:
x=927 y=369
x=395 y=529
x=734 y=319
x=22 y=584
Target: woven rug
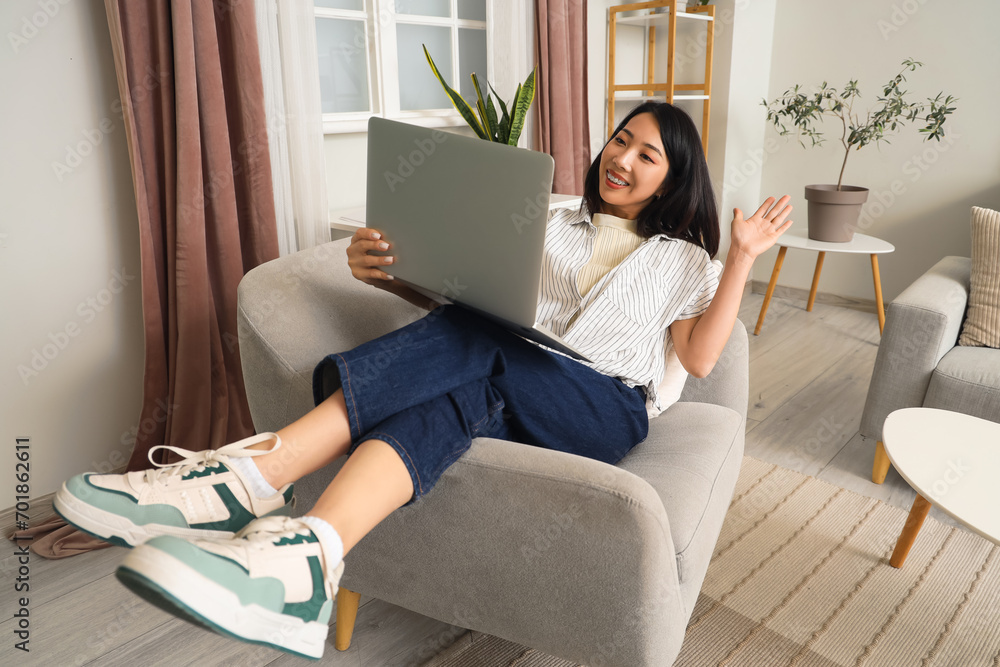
x=801 y=577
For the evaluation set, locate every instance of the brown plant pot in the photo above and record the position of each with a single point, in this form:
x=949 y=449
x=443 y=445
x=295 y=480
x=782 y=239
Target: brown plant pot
x=833 y=213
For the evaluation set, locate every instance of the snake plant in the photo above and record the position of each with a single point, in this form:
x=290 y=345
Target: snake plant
x=506 y=129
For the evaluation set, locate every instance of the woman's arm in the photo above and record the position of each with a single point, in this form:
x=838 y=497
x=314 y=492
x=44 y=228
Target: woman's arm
x=699 y=341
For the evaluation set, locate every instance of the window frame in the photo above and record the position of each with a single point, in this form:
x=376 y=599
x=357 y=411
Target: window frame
x=380 y=19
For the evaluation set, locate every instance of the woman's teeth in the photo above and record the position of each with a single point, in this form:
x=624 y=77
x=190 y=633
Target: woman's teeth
x=616 y=181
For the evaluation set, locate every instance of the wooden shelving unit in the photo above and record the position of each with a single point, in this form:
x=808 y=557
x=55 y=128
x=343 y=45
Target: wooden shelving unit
x=667 y=91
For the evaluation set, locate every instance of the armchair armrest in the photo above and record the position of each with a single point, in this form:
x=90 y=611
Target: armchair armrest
x=921 y=325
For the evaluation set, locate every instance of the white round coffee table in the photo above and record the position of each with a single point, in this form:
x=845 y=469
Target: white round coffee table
x=952 y=461
x=860 y=244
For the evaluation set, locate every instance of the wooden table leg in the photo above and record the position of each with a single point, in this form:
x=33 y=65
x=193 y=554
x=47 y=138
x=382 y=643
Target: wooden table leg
x=812 y=290
x=770 y=289
x=878 y=294
x=918 y=512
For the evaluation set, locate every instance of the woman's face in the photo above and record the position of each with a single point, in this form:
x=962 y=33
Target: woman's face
x=636 y=157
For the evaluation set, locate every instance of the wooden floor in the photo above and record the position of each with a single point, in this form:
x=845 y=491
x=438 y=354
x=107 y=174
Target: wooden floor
x=809 y=374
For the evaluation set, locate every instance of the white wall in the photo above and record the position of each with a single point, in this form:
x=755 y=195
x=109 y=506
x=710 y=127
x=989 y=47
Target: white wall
x=63 y=238
x=935 y=183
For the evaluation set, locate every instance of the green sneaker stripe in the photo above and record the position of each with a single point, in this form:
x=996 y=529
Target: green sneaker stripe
x=217 y=469
x=288 y=494
x=267 y=592
x=298 y=539
x=311 y=609
x=122 y=504
x=239 y=516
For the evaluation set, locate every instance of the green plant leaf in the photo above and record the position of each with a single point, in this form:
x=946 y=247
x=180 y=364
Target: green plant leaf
x=519 y=107
x=491 y=115
x=489 y=120
x=457 y=100
x=505 y=119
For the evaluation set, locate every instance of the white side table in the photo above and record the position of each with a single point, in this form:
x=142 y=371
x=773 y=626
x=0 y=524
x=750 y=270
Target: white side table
x=860 y=244
x=952 y=461
x=352 y=219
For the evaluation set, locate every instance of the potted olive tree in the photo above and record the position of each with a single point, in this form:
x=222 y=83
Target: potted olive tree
x=834 y=209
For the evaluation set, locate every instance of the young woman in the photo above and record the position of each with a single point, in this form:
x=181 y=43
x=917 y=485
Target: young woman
x=625 y=277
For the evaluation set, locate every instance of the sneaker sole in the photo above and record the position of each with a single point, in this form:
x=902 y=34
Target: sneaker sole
x=176 y=587
x=115 y=528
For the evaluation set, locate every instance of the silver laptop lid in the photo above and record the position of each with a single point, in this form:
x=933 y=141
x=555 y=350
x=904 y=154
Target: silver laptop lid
x=473 y=211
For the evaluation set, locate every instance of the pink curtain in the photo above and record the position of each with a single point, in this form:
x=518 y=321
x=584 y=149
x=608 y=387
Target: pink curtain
x=563 y=127
x=192 y=99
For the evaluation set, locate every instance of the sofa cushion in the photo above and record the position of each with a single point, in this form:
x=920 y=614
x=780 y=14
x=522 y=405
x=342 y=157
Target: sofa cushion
x=982 y=326
x=967 y=380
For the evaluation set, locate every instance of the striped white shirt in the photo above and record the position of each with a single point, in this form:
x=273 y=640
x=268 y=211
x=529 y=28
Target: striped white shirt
x=621 y=323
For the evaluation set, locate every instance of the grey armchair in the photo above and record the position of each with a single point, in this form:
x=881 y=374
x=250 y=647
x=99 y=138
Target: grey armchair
x=919 y=363
x=577 y=558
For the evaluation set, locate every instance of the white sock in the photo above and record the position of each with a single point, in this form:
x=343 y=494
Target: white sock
x=333 y=546
x=258 y=485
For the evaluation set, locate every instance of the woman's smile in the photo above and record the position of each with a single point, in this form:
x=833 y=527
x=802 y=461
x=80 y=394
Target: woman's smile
x=615 y=180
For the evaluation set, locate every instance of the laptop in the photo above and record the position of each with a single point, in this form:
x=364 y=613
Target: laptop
x=466 y=218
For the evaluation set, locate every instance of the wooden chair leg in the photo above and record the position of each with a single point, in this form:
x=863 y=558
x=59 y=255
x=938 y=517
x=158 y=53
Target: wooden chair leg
x=918 y=512
x=347 y=612
x=881 y=466
x=812 y=290
x=770 y=289
x=880 y=309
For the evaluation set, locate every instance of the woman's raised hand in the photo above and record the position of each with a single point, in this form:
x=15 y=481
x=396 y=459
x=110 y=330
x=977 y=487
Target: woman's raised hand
x=753 y=236
x=365 y=266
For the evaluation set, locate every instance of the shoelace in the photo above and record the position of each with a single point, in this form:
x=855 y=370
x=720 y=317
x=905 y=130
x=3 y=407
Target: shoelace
x=206 y=458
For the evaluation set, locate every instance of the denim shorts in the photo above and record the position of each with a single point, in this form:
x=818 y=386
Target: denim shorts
x=429 y=388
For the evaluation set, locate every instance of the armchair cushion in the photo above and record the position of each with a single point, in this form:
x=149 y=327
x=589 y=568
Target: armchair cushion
x=982 y=325
x=967 y=380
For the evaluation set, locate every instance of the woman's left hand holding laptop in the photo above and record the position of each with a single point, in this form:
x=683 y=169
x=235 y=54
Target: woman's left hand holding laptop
x=367 y=267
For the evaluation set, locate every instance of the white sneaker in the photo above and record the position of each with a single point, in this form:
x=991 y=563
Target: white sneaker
x=271 y=583
x=200 y=496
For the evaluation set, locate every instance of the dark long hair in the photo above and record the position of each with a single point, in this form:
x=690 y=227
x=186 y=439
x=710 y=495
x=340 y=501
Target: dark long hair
x=686 y=210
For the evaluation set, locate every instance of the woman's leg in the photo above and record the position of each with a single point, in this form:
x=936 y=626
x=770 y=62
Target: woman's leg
x=318 y=438
x=372 y=483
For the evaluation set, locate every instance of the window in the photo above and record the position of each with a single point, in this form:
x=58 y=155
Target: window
x=371 y=61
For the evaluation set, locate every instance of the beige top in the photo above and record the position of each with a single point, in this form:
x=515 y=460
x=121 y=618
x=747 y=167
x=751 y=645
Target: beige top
x=616 y=238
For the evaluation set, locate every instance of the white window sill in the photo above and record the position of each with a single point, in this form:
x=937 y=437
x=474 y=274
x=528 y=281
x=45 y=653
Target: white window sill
x=359 y=122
